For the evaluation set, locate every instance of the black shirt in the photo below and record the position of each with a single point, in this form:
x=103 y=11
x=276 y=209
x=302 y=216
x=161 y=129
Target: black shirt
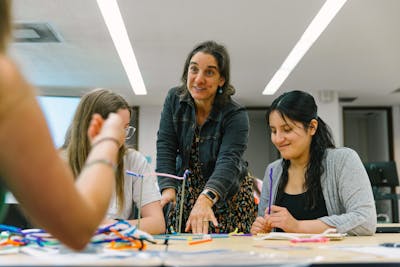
x=296 y=205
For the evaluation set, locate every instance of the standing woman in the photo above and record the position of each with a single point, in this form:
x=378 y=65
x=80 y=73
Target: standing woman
x=315 y=186
x=31 y=169
x=127 y=188
x=203 y=130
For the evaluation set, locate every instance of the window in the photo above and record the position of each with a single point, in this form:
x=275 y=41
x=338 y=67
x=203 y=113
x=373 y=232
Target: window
x=58 y=111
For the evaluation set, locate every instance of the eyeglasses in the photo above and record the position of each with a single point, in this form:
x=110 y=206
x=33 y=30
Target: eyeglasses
x=129 y=132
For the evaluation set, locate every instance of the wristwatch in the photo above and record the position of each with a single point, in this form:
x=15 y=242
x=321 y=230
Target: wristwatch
x=210 y=195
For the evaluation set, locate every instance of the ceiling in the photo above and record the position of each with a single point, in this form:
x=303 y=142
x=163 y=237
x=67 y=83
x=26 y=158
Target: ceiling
x=358 y=55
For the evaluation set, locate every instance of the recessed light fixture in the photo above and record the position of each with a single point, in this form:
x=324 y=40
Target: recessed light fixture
x=313 y=31
x=35 y=32
x=113 y=19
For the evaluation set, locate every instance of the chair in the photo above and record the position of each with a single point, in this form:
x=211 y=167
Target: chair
x=384 y=175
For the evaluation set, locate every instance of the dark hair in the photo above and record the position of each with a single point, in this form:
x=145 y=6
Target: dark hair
x=221 y=55
x=300 y=106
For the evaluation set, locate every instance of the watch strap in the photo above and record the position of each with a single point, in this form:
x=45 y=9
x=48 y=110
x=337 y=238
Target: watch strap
x=210 y=195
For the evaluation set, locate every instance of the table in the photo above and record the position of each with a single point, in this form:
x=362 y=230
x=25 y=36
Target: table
x=234 y=251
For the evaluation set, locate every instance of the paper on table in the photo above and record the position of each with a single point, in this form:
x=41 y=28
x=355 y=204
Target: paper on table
x=329 y=233
x=281 y=236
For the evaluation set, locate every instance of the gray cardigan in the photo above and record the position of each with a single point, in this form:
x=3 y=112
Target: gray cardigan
x=346 y=189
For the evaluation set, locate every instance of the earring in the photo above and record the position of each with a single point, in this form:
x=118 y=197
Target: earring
x=220 y=91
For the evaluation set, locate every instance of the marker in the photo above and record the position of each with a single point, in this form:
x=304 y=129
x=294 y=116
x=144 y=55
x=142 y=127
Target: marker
x=310 y=240
x=247 y=234
x=270 y=191
x=195 y=242
x=390 y=245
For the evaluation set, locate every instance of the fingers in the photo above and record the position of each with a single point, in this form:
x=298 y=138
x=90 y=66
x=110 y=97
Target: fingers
x=163 y=202
x=272 y=208
x=205 y=224
x=255 y=229
x=114 y=126
x=188 y=226
x=198 y=226
x=259 y=226
x=200 y=217
x=111 y=127
x=214 y=220
x=281 y=218
x=275 y=208
x=168 y=195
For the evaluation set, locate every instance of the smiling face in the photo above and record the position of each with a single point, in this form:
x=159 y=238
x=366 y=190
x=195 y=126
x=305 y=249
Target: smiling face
x=290 y=137
x=203 y=78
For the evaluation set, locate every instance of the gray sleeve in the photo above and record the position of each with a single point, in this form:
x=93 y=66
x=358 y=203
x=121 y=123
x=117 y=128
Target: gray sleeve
x=351 y=207
x=266 y=189
x=264 y=198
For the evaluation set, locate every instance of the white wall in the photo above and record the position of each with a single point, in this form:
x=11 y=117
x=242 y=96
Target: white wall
x=58 y=111
x=149 y=119
x=330 y=112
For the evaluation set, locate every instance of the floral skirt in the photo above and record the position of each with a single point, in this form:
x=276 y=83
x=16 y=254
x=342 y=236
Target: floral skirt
x=237 y=213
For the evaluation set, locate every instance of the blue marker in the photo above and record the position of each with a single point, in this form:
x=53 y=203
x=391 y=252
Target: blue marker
x=270 y=191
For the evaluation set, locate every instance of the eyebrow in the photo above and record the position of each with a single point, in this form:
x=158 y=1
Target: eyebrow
x=280 y=125
x=208 y=67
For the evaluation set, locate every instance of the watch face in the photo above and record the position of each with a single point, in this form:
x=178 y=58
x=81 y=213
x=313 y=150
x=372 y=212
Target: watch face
x=211 y=194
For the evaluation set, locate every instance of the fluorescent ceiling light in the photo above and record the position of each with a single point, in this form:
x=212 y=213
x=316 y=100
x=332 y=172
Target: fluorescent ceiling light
x=113 y=19
x=313 y=31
